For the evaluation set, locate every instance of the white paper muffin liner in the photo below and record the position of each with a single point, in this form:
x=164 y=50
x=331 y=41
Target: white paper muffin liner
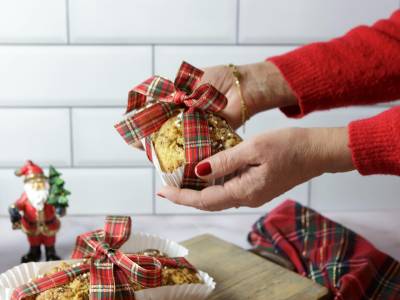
x=175 y=178
x=23 y=273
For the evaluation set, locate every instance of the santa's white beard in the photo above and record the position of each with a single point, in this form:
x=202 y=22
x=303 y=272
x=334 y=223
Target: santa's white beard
x=36 y=197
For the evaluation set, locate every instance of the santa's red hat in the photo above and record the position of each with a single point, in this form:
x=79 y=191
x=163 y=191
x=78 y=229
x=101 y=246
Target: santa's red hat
x=30 y=171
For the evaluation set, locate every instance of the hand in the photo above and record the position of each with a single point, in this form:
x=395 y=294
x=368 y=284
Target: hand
x=263 y=87
x=267 y=166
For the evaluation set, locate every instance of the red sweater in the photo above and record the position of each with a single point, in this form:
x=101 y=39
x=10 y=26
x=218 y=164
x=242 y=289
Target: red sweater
x=361 y=67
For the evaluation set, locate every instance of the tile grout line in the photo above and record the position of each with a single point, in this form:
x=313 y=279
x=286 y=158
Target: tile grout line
x=153 y=60
x=61 y=107
x=220 y=214
x=67 y=22
x=205 y=214
x=89 y=167
x=380 y=105
x=153 y=173
x=71 y=138
x=255 y=214
x=127 y=44
x=153 y=177
x=237 y=20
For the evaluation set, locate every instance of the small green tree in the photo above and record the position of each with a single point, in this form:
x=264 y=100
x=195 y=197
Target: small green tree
x=58 y=195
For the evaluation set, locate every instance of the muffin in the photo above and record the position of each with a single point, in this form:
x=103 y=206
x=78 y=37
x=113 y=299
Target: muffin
x=168 y=141
x=78 y=289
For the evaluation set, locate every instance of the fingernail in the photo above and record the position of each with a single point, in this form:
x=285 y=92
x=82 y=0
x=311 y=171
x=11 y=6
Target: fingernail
x=160 y=195
x=203 y=169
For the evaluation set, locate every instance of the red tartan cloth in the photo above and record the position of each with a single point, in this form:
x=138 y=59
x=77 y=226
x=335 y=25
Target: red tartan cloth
x=328 y=253
x=361 y=67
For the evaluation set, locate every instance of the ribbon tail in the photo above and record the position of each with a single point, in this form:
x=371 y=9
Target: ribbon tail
x=197 y=146
x=148 y=148
x=145 y=122
x=102 y=285
x=48 y=282
x=124 y=288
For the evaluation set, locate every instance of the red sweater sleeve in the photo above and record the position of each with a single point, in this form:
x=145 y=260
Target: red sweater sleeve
x=362 y=67
x=375 y=143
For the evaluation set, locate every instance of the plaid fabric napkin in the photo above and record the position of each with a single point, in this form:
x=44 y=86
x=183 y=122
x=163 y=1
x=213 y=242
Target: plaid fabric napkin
x=328 y=253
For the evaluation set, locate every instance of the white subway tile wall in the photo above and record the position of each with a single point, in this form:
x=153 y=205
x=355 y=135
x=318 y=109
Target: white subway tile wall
x=155 y=21
x=96 y=142
x=169 y=58
x=42 y=135
x=71 y=75
x=351 y=191
x=110 y=191
x=303 y=21
x=26 y=21
x=11 y=189
x=66 y=67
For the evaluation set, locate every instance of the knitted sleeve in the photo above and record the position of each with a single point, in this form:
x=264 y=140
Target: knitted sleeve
x=361 y=67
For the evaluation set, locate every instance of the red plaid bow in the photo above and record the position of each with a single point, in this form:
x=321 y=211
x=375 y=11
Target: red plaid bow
x=171 y=97
x=111 y=271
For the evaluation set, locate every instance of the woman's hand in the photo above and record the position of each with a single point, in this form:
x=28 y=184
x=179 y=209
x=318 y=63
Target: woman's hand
x=263 y=87
x=267 y=166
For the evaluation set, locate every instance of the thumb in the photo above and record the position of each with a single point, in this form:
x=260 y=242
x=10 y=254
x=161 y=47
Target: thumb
x=223 y=163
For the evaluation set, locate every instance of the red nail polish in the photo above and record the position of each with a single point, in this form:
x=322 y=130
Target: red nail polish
x=160 y=195
x=203 y=169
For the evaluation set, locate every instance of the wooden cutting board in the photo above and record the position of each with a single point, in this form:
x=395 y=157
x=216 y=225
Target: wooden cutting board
x=241 y=275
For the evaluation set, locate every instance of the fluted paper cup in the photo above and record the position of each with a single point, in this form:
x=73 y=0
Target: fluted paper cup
x=24 y=273
x=140 y=241
x=175 y=178
x=180 y=292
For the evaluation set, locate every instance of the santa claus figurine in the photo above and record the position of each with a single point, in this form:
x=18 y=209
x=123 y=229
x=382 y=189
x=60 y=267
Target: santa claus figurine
x=33 y=213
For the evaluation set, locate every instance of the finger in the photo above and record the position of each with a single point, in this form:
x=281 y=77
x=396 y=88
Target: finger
x=224 y=163
x=212 y=198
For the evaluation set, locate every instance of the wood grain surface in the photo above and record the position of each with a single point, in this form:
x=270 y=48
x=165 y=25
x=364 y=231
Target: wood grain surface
x=240 y=274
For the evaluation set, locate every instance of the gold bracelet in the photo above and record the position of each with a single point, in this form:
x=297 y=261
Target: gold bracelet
x=236 y=80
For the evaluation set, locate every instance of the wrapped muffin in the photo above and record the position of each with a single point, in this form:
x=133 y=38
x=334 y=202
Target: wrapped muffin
x=78 y=289
x=153 y=268
x=167 y=145
x=178 y=125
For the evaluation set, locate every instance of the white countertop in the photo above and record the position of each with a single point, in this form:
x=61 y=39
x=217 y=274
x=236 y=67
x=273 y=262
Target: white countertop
x=381 y=228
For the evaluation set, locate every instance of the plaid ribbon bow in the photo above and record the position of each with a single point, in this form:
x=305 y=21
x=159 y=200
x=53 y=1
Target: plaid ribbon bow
x=112 y=273
x=170 y=97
